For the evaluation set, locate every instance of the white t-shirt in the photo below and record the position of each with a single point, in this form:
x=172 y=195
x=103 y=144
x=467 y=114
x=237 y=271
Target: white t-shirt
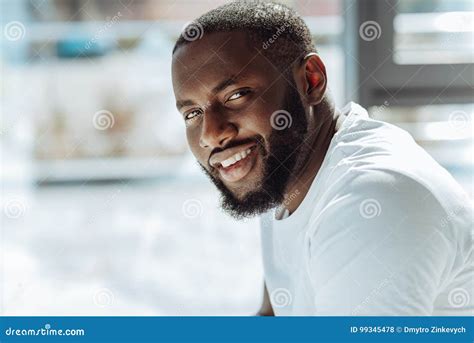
x=383 y=230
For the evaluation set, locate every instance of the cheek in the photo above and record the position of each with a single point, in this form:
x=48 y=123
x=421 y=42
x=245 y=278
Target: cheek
x=257 y=118
x=192 y=137
x=259 y=121
x=271 y=101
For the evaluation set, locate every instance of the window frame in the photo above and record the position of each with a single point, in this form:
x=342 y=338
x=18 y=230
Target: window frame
x=374 y=78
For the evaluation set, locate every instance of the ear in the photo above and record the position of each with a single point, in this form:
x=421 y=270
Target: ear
x=313 y=79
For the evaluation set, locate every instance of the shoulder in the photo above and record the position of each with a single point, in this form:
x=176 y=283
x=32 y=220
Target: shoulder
x=396 y=191
x=378 y=207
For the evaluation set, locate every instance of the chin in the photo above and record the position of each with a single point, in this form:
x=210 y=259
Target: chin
x=244 y=188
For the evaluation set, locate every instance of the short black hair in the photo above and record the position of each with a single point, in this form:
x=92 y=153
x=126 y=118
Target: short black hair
x=275 y=29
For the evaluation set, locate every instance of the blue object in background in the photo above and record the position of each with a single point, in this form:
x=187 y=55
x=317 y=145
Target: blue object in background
x=75 y=47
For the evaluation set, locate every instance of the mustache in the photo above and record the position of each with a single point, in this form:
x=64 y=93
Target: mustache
x=231 y=144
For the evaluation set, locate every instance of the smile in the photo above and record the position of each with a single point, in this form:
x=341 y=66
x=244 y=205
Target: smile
x=238 y=166
x=237 y=157
x=235 y=163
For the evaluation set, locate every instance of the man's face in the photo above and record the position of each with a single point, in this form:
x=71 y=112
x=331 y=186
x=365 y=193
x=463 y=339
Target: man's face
x=245 y=122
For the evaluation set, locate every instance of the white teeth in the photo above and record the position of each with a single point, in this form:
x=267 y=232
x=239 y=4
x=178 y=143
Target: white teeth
x=228 y=162
x=237 y=157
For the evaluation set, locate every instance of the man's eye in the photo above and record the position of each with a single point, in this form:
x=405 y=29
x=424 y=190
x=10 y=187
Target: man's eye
x=192 y=115
x=238 y=95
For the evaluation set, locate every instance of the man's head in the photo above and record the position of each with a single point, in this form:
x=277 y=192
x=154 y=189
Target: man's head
x=248 y=92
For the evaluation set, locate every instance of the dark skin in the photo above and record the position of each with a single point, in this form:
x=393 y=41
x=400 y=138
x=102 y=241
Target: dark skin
x=227 y=92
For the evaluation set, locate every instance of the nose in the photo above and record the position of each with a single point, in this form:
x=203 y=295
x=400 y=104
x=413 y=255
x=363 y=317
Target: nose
x=216 y=130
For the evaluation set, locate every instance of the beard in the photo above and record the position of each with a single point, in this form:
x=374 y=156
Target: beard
x=280 y=160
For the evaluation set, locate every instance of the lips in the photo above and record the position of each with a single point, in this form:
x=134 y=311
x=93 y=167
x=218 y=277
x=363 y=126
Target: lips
x=235 y=163
x=235 y=158
x=219 y=157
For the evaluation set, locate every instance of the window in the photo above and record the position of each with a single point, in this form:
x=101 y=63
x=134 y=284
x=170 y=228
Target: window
x=433 y=32
x=411 y=52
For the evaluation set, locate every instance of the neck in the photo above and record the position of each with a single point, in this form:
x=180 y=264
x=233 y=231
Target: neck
x=322 y=131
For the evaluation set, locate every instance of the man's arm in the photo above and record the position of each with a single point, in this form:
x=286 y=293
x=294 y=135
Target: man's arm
x=266 y=308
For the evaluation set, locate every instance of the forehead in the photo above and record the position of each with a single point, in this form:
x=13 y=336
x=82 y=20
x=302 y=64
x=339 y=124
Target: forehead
x=214 y=57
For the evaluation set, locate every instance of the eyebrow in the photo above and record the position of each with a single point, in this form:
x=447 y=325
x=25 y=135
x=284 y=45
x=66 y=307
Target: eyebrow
x=220 y=87
x=224 y=84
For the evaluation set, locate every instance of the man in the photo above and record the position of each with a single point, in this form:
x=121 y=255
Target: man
x=356 y=218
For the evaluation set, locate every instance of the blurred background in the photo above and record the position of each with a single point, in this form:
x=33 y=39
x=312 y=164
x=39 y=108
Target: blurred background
x=104 y=211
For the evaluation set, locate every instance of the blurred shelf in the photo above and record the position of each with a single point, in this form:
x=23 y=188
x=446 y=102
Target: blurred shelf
x=458 y=158
x=57 y=30
x=52 y=31
x=105 y=169
x=434 y=22
x=438 y=130
x=452 y=146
